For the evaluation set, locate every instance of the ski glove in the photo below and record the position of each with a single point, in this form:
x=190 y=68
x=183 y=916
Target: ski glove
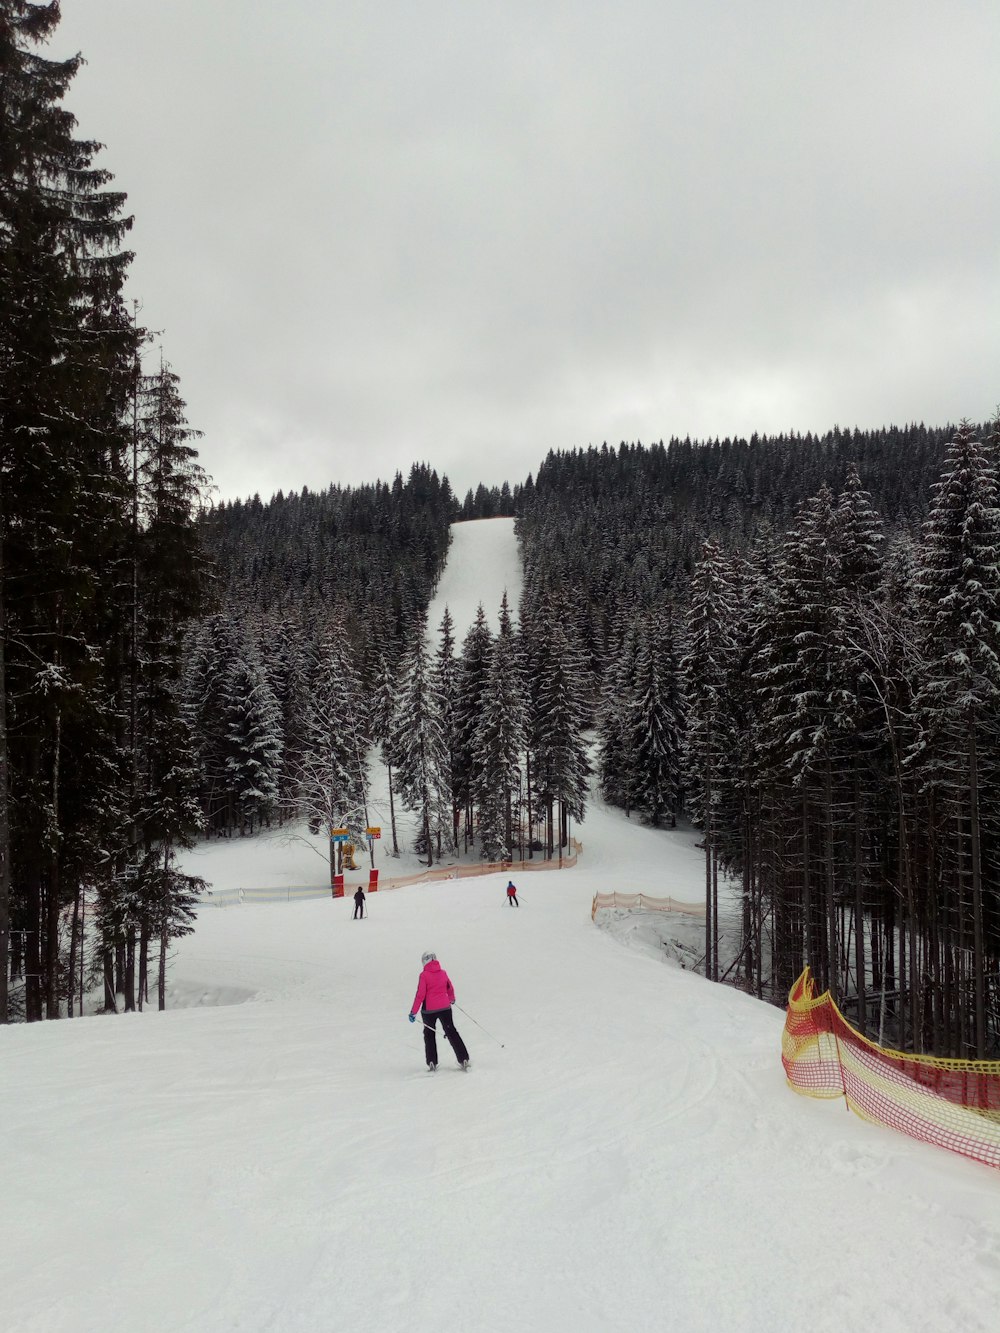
x=413 y=1018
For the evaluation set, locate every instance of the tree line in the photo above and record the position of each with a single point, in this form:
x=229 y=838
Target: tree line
x=100 y=571
x=822 y=702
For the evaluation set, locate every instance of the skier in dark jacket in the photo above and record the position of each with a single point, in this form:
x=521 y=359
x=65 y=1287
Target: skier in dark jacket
x=359 y=903
x=434 y=998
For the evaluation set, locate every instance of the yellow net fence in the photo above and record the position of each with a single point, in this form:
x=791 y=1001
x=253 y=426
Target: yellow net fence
x=954 y=1104
x=643 y=902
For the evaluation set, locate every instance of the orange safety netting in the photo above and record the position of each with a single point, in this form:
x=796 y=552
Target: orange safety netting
x=643 y=902
x=954 y=1104
x=264 y=894
x=565 y=860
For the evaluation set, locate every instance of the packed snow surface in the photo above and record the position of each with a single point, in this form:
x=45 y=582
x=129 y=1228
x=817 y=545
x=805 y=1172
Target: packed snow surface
x=483 y=564
x=271 y=1154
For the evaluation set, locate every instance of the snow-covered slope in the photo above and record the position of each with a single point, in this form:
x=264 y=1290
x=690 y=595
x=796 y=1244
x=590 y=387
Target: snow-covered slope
x=483 y=564
x=275 y=1156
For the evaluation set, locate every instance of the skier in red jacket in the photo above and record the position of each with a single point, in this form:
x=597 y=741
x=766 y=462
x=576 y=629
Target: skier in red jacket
x=512 y=894
x=434 y=998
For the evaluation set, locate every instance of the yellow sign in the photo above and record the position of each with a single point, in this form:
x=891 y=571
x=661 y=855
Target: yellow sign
x=339 y=834
x=374 y=832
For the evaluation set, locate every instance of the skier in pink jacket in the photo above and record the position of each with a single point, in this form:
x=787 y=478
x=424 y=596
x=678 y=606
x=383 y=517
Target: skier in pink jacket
x=434 y=998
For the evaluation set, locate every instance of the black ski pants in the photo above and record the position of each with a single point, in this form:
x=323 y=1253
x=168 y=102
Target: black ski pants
x=358 y=910
x=512 y=900
x=430 y=1019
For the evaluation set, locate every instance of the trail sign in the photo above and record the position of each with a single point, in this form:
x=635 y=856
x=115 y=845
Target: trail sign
x=339 y=834
x=374 y=832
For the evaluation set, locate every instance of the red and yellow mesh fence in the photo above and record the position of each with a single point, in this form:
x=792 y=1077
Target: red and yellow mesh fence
x=954 y=1104
x=643 y=902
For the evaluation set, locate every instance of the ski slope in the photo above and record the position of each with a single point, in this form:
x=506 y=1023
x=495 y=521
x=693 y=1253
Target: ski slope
x=271 y=1154
x=483 y=564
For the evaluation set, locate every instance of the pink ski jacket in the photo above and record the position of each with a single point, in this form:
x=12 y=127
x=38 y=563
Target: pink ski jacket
x=434 y=989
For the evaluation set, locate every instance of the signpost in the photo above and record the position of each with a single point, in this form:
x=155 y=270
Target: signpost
x=338 y=836
x=372 y=832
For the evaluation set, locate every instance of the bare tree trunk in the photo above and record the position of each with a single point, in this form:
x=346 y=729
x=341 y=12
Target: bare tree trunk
x=83 y=939
x=4 y=805
x=73 y=933
x=860 y=980
x=832 y=949
x=527 y=790
x=715 y=915
x=806 y=894
x=392 y=816
x=161 y=979
x=143 y=965
x=709 y=936
x=110 y=1000
x=978 y=949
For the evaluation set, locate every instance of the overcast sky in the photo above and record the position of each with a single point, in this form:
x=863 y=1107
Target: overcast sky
x=380 y=231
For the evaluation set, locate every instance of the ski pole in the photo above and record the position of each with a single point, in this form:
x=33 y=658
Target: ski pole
x=479 y=1025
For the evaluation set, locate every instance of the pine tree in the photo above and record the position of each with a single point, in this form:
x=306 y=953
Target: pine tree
x=252 y=732
x=446 y=687
x=657 y=736
x=709 y=749
x=332 y=786
x=560 y=766
x=65 y=354
x=383 y=726
x=477 y=651
x=959 y=700
x=419 y=747
x=616 y=760
x=498 y=743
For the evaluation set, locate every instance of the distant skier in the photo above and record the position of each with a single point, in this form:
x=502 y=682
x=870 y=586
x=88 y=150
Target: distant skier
x=359 y=903
x=512 y=894
x=434 y=998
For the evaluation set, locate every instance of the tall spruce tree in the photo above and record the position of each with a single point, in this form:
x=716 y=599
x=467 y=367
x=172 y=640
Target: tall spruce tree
x=446 y=687
x=657 y=736
x=498 y=744
x=332 y=784
x=707 y=667
x=559 y=716
x=65 y=356
x=419 y=747
x=477 y=652
x=958 y=752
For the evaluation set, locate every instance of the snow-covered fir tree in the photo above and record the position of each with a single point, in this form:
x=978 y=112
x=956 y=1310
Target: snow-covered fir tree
x=657 y=728
x=477 y=652
x=419 y=746
x=446 y=677
x=498 y=745
x=559 y=716
x=331 y=782
x=958 y=706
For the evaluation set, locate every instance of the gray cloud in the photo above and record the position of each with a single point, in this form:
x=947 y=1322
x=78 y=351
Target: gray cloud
x=468 y=233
